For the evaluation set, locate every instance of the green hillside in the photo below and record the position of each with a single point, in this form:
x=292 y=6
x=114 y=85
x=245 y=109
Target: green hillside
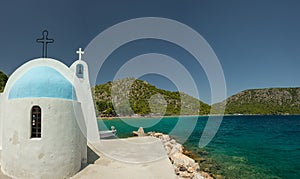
x=264 y=101
x=145 y=99
x=3 y=80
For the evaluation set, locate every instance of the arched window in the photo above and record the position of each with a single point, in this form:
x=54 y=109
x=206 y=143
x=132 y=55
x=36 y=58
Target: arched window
x=79 y=71
x=36 y=122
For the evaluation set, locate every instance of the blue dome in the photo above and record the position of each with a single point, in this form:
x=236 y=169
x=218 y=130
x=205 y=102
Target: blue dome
x=42 y=82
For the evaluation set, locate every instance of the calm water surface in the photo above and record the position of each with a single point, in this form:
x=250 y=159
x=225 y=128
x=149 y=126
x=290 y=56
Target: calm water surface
x=244 y=146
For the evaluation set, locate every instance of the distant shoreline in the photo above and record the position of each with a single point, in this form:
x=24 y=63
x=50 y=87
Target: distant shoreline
x=156 y=117
x=144 y=117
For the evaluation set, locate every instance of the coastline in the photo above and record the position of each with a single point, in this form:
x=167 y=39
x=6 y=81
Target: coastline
x=185 y=163
x=145 y=117
x=158 y=117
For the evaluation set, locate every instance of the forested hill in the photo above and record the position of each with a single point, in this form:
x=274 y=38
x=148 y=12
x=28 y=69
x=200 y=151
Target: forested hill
x=3 y=80
x=264 y=101
x=146 y=99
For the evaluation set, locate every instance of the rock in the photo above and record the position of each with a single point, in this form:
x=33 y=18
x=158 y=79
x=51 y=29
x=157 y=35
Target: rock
x=151 y=134
x=196 y=167
x=176 y=171
x=206 y=169
x=158 y=134
x=165 y=138
x=185 y=174
x=186 y=152
x=175 y=151
x=177 y=148
x=168 y=144
x=190 y=170
x=206 y=175
x=168 y=149
x=198 y=176
x=182 y=168
x=135 y=133
x=140 y=132
x=181 y=160
x=173 y=141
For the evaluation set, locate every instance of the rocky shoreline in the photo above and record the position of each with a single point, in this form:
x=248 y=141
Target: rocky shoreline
x=184 y=166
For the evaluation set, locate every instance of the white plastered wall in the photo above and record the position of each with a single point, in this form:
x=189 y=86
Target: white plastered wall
x=84 y=95
x=57 y=154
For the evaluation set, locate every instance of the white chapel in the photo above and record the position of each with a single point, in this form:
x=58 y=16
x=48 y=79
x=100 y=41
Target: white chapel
x=46 y=109
x=47 y=120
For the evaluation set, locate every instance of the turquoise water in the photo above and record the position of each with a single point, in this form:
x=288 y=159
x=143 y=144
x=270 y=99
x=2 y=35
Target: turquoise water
x=244 y=146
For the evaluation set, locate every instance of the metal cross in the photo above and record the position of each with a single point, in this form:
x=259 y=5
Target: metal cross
x=80 y=53
x=45 y=42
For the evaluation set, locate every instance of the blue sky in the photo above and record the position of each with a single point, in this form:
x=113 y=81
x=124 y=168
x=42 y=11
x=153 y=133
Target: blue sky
x=256 y=41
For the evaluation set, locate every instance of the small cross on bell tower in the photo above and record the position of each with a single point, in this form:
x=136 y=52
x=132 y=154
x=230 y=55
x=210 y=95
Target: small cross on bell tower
x=79 y=66
x=45 y=40
x=80 y=53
